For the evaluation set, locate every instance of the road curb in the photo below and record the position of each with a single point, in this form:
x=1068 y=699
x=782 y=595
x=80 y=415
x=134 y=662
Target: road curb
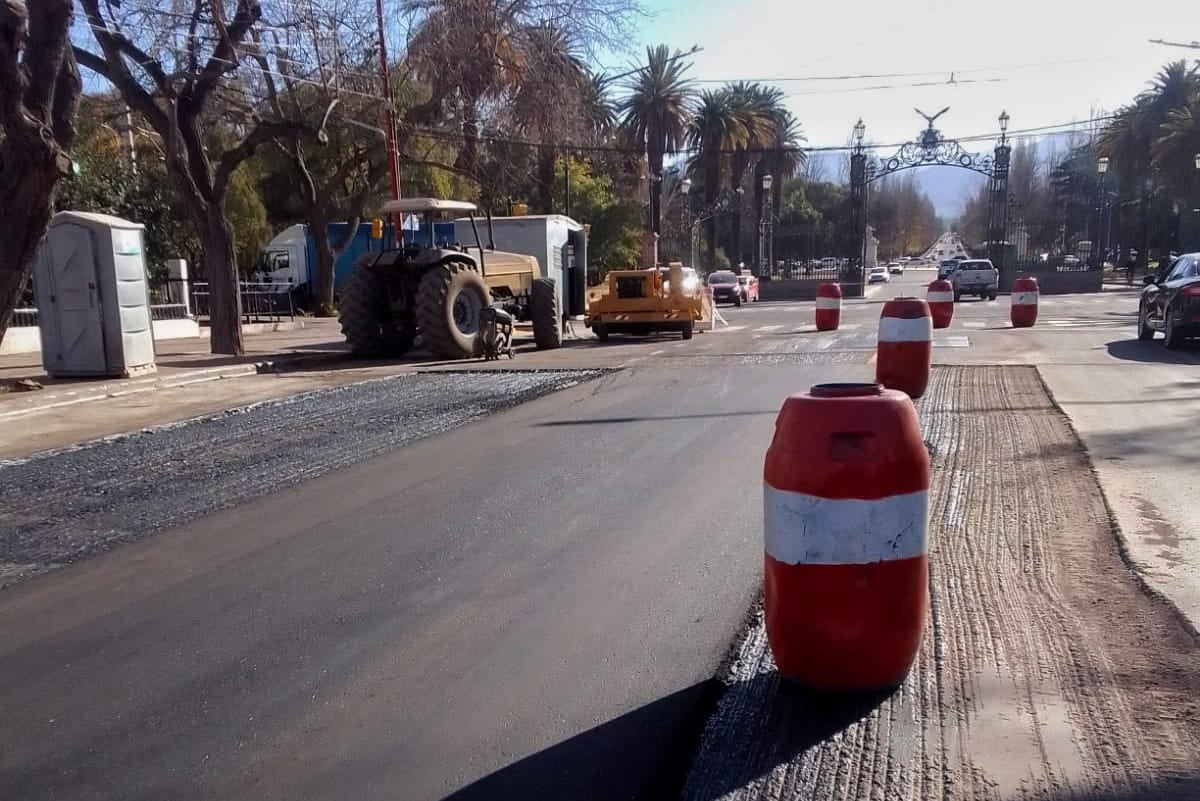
x=138 y=386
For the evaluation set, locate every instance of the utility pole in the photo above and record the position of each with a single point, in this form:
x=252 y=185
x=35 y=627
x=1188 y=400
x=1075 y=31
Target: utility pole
x=389 y=123
x=126 y=126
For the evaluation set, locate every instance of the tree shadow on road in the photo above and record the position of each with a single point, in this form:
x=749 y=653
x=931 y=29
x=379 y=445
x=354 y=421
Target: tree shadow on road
x=646 y=753
x=1150 y=352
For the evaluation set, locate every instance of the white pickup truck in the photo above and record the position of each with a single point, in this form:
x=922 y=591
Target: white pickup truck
x=975 y=277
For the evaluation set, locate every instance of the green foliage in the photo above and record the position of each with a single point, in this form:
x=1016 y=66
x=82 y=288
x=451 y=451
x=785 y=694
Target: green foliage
x=247 y=217
x=614 y=241
x=105 y=184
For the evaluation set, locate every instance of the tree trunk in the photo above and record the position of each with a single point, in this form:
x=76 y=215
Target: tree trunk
x=656 y=169
x=322 y=297
x=23 y=224
x=220 y=268
x=546 y=162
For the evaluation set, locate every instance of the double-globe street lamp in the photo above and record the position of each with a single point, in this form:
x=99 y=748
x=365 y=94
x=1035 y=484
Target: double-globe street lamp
x=765 y=256
x=1101 y=237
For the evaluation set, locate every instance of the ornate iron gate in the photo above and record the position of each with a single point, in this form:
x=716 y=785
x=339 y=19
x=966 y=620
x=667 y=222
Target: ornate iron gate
x=930 y=149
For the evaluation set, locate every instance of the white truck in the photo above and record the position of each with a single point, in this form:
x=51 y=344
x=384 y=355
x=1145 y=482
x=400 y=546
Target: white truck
x=975 y=277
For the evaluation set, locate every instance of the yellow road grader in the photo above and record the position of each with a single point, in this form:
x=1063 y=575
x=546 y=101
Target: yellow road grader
x=647 y=301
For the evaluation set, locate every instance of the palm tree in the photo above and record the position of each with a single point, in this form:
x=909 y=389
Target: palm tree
x=435 y=53
x=783 y=158
x=547 y=105
x=656 y=114
x=1132 y=136
x=715 y=131
x=599 y=113
x=758 y=108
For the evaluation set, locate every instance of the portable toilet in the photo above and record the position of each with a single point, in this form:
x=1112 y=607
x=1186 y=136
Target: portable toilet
x=93 y=297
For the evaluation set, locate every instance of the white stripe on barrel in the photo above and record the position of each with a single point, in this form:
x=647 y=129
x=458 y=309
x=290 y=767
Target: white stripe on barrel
x=829 y=303
x=1024 y=298
x=940 y=297
x=905 y=329
x=805 y=529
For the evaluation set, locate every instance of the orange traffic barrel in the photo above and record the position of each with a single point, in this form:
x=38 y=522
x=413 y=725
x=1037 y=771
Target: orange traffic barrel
x=845 y=516
x=828 y=313
x=1024 y=302
x=905 y=346
x=940 y=297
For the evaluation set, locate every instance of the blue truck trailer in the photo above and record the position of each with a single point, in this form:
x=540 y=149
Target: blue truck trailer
x=289 y=261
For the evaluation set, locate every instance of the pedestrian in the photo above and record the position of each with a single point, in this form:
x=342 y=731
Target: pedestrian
x=1130 y=266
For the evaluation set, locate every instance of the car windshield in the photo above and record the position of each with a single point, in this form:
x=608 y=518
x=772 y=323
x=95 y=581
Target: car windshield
x=722 y=278
x=876 y=269
x=974 y=265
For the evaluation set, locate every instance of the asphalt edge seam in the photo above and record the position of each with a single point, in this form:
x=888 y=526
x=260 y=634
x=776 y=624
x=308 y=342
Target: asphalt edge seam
x=1119 y=536
x=281 y=400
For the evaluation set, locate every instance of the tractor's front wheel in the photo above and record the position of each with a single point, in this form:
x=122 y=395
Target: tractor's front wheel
x=449 y=300
x=546 y=314
x=367 y=320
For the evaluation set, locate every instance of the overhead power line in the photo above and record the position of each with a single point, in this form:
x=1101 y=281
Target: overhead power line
x=1193 y=45
x=635 y=150
x=882 y=75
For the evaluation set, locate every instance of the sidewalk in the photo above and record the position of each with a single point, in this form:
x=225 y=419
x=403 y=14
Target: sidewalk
x=179 y=362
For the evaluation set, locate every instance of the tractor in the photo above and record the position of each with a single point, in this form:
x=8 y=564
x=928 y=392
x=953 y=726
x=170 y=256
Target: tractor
x=438 y=290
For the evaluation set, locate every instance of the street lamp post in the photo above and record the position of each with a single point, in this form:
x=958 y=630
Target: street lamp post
x=858 y=198
x=765 y=261
x=1101 y=245
x=738 y=220
x=1196 y=211
x=686 y=188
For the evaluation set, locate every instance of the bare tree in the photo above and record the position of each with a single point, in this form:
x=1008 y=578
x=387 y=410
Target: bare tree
x=39 y=95
x=324 y=60
x=183 y=68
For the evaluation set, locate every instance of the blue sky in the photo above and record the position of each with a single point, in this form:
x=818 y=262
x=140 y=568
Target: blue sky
x=1043 y=61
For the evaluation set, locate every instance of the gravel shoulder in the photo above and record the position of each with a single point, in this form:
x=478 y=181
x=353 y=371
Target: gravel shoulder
x=64 y=506
x=1046 y=671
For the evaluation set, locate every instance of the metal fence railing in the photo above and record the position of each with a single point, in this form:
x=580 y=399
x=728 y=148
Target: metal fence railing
x=261 y=302
x=179 y=299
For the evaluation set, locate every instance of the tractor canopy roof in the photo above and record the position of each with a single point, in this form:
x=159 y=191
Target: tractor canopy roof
x=420 y=205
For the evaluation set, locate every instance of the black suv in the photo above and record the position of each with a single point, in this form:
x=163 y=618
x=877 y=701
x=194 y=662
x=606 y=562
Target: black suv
x=1170 y=301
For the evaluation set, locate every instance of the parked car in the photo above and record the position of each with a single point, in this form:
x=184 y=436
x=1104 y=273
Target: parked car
x=878 y=275
x=1170 y=302
x=749 y=284
x=725 y=287
x=895 y=268
x=975 y=277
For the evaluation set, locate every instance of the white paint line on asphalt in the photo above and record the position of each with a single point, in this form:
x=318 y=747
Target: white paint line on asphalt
x=974 y=323
x=765 y=328
x=731 y=328
x=951 y=342
x=656 y=352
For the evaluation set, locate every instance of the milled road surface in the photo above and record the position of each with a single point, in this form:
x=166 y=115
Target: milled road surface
x=1045 y=671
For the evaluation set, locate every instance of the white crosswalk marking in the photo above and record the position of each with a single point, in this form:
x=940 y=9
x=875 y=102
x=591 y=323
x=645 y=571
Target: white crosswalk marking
x=730 y=328
x=765 y=328
x=974 y=323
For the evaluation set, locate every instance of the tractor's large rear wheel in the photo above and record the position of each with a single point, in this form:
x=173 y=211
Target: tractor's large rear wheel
x=546 y=314
x=449 y=300
x=367 y=320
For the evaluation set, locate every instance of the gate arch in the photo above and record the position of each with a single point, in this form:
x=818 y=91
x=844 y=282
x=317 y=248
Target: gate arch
x=931 y=149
